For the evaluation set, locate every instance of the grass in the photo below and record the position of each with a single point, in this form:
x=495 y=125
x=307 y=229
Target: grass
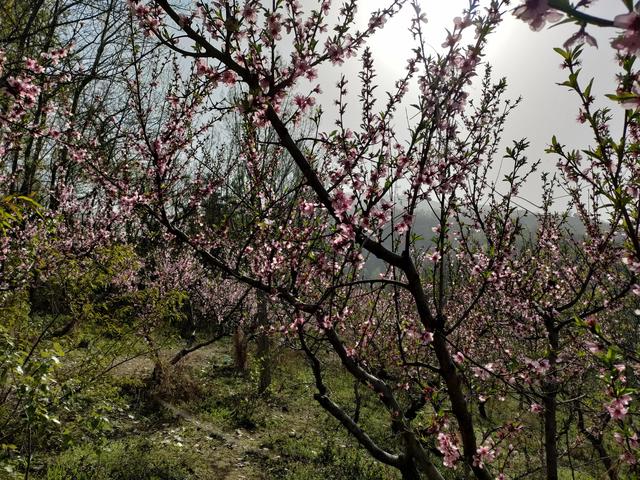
x=208 y=423
x=220 y=429
x=133 y=458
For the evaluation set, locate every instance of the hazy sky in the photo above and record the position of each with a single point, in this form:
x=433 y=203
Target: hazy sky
x=525 y=57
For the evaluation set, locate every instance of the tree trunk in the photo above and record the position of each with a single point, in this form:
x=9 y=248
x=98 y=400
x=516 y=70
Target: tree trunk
x=598 y=446
x=158 y=374
x=410 y=472
x=416 y=458
x=605 y=459
x=448 y=372
x=263 y=344
x=550 y=432
x=458 y=404
x=240 y=350
x=550 y=393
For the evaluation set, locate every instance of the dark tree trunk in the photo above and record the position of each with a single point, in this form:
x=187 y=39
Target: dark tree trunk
x=550 y=393
x=240 y=350
x=158 y=374
x=550 y=433
x=598 y=446
x=605 y=459
x=458 y=404
x=263 y=345
x=410 y=472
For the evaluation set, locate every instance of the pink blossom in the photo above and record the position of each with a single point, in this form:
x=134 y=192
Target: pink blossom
x=250 y=13
x=435 y=257
x=173 y=100
x=335 y=52
x=311 y=74
x=448 y=449
x=344 y=235
x=304 y=102
x=483 y=373
x=536 y=13
x=307 y=208
x=228 y=77
x=341 y=202
x=33 y=65
x=427 y=337
x=451 y=40
x=405 y=224
x=201 y=67
x=462 y=23
x=581 y=36
x=629 y=41
x=149 y=18
x=401 y=227
x=618 y=408
x=628 y=458
x=538 y=366
x=483 y=454
x=619 y=438
x=24 y=89
x=594 y=348
x=274 y=27
x=377 y=20
x=629 y=20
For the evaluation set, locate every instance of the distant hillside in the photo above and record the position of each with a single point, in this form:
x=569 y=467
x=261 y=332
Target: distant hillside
x=424 y=222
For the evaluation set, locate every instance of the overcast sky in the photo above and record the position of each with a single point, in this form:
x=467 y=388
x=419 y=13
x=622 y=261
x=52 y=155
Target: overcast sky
x=525 y=57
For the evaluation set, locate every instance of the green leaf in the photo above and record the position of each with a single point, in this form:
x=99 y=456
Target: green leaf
x=566 y=54
x=58 y=349
x=587 y=90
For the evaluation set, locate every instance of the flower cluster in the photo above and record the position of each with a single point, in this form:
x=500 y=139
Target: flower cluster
x=537 y=13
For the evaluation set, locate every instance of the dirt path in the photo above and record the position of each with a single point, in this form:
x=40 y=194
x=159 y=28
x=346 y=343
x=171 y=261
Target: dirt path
x=233 y=456
x=233 y=459
x=188 y=417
